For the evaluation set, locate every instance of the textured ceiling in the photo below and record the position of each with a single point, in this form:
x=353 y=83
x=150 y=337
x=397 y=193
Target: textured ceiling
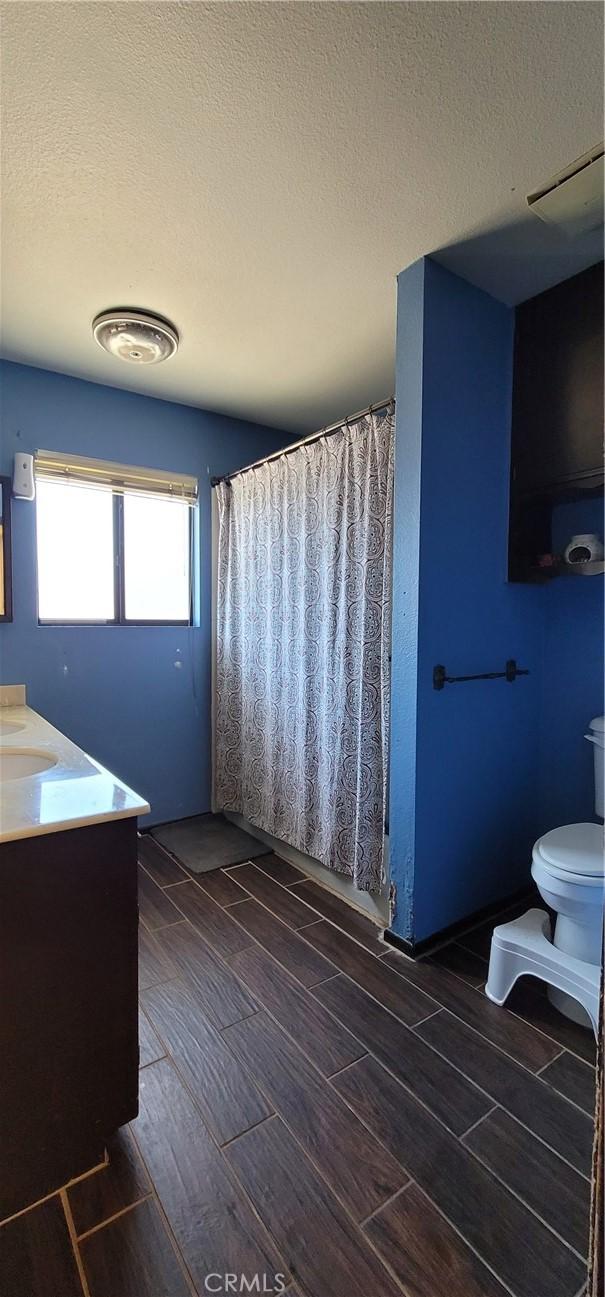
x=259 y=173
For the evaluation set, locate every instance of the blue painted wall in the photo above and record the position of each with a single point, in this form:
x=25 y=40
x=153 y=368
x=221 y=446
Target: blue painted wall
x=460 y=838
x=118 y=691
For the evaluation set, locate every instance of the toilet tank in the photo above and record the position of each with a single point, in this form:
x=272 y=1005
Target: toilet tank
x=596 y=736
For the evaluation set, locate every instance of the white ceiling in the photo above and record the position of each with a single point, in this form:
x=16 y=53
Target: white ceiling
x=259 y=173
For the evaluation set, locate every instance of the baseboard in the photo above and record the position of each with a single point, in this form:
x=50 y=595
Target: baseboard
x=393 y=939
x=415 y=949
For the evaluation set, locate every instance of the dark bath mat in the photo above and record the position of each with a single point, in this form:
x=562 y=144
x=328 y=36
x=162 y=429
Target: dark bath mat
x=208 y=842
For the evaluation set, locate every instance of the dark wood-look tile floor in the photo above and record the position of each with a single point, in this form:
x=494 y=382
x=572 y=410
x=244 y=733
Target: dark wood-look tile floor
x=320 y=1112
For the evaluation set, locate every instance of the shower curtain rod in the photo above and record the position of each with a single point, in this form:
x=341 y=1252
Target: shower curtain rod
x=306 y=441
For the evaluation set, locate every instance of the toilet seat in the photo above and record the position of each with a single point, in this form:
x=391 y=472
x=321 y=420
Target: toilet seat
x=573 y=853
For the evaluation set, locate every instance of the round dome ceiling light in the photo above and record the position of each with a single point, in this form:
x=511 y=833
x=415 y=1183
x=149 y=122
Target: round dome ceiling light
x=135 y=336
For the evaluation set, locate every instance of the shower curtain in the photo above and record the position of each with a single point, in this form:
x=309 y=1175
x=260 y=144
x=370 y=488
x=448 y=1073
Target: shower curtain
x=302 y=653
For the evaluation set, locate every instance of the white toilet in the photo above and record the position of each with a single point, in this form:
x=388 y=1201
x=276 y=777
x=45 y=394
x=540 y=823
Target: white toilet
x=568 y=870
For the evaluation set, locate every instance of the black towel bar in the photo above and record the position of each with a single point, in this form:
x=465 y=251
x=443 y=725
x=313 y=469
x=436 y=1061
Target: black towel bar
x=510 y=673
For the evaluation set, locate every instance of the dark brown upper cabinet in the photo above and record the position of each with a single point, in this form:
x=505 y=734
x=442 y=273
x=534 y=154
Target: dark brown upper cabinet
x=557 y=416
x=557 y=426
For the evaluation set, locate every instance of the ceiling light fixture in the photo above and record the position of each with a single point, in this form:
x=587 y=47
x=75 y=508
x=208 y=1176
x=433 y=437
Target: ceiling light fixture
x=135 y=336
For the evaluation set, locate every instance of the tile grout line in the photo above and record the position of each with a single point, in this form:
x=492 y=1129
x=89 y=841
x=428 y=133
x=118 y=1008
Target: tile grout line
x=356 y=1115
x=234 y=1182
x=464 y=1134
x=360 y=912
x=288 y=931
x=94 y=1229
x=435 y=1205
x=255 y=943
x=518 y=1016
x=150 y=986
x=250 y=896
x=501 y=1105
x=469 y=1151
x=489 y=1171
x=216 y=950
x=340 y=973
x=169 y=1056
x=160 y=886
x=514 y=1193
x=213 y=950
x=408 y=1089
x=74 y=1243
x=7 y=1220
x=551 y=1060
x=426 y=1195
x=387 y=1203
x=286 y=886
x=262 y=1120
x=480 y=1033
x=323 y=981
x=55 y=1192
x=331 y=1191
x=304 y=990
x=305 y=1151
x=466 y=1241
x=162 y=926
x=166 y=1223
x=412 y=1028
x=320 y=916
x=420 y=1022
x=553 y=1040
x=409 y=1027
x=340 y=1070
x=469 y=1079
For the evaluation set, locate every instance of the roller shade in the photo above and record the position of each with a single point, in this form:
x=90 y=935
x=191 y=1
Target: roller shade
x=78 y=470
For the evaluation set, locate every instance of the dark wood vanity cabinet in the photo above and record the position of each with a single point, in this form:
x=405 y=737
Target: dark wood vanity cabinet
x=557 y=411
x=68 y=1007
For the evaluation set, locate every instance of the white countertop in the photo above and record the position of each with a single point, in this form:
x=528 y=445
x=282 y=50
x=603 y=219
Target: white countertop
x=76 y=790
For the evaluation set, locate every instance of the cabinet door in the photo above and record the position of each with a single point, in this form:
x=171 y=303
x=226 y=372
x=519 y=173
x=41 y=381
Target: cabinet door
x=558 y=383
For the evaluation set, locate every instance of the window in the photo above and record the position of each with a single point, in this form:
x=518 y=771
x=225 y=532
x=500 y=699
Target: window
x=120 y=554
x=156 y=560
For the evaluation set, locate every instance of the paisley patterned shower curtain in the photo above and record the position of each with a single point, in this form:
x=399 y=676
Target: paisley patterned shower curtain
x=303 y=627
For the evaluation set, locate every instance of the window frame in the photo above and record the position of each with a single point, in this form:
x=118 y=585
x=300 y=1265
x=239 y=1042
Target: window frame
x=120 y=618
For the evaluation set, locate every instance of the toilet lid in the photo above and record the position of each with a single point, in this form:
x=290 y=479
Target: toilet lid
x=575 y=848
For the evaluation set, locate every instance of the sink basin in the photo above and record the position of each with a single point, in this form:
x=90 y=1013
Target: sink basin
x=10 y=727
x=21 y=763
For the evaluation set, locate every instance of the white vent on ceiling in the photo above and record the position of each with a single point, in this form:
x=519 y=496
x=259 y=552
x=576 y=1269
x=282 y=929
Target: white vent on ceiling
x=573 y=199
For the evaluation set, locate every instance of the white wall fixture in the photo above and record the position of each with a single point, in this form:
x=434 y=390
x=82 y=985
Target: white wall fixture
x=584 y=554
x=135 y=336
x=573 y=199
x=24 y=486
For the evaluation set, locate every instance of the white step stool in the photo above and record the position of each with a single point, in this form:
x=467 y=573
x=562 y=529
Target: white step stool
x=525 y=946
